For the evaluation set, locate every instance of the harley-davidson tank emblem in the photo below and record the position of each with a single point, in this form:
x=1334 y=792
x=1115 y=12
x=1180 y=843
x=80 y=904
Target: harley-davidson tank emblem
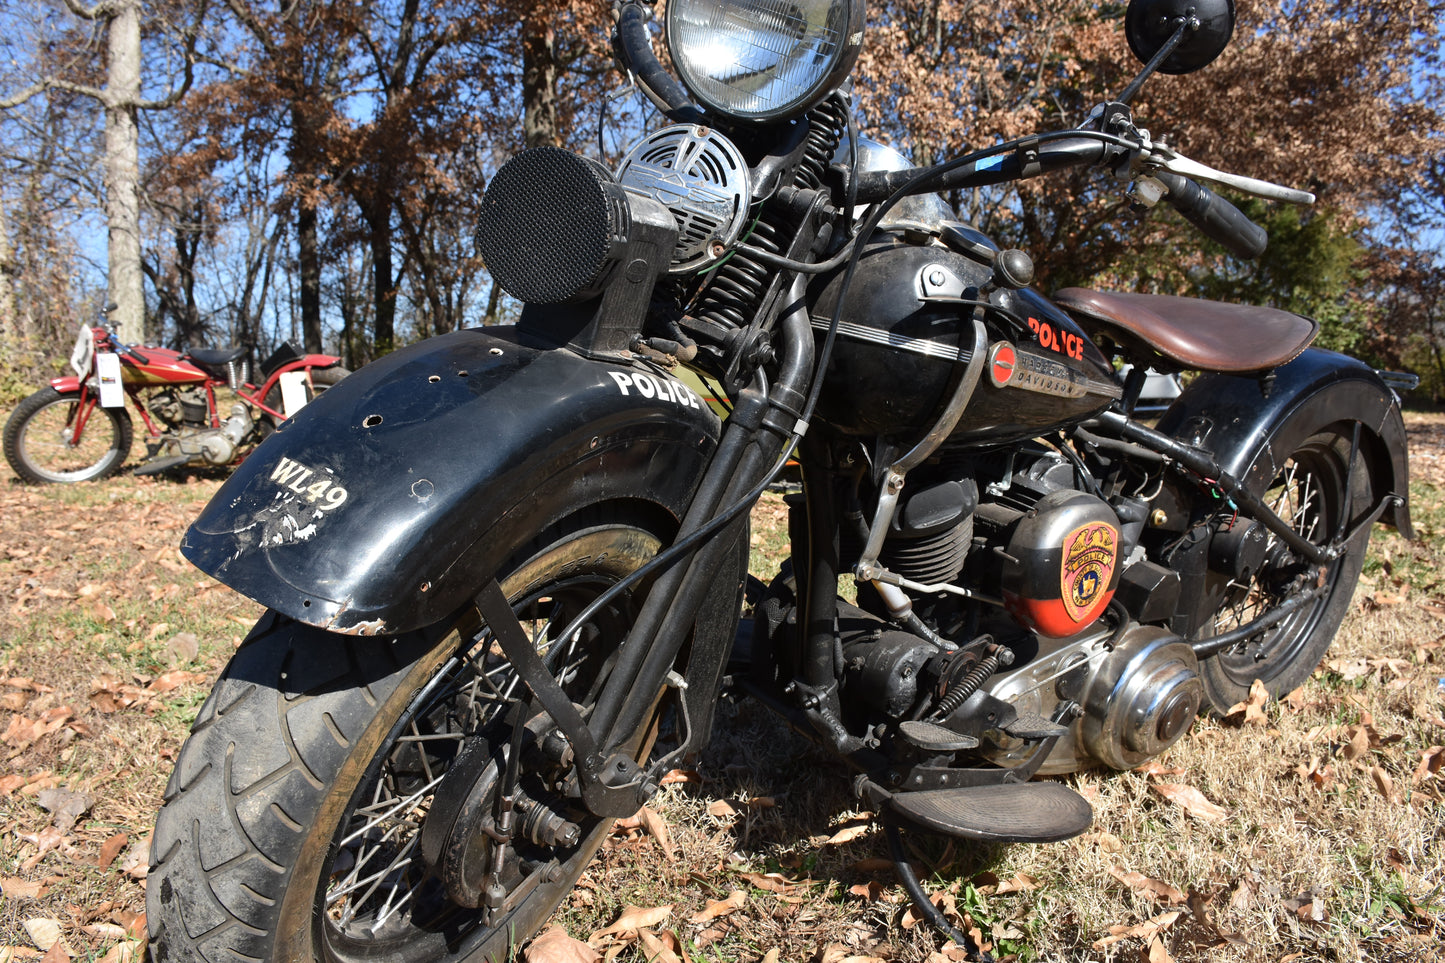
x=1090 y=554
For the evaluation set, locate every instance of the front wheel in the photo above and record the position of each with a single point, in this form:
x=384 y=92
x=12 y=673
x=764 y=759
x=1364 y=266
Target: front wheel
x=56 y=437
x=295 y=825
x=1317 y=493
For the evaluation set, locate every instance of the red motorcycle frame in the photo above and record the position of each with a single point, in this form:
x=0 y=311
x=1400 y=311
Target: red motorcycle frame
x=79 y=429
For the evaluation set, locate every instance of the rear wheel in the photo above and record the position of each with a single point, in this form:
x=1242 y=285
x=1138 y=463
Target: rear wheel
x=319 y=380
x=1317 y=494
x=296 y=824
x=41 y=443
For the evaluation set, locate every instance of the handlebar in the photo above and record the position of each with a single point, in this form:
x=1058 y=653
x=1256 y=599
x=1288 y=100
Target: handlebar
x=1028 y=157
x=1218 y=219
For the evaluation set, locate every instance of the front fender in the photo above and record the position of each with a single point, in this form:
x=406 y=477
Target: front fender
x=1236 y=417
x=383 y=504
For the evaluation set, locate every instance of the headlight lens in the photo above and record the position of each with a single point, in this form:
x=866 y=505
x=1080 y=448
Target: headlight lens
x=763 y=59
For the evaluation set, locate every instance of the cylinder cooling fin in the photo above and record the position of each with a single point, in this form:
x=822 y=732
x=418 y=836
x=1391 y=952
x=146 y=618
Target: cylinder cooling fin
x=702 y=179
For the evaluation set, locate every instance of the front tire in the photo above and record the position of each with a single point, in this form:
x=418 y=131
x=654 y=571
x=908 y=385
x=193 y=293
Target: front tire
x=293 y=824
x=40 y=444
x=1317 y=493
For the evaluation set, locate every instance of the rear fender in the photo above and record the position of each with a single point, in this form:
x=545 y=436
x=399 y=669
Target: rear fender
x=384 y=504
x=1236 y=418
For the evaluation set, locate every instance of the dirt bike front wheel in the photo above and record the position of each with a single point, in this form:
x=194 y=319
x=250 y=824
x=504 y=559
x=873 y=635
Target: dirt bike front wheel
x=1315 y=491
x=294 y=824
x=42 y=447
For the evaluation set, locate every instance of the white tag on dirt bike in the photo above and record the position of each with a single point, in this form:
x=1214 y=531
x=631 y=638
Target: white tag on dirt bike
x=293 y=392
x=83 y=351
x=107 y=371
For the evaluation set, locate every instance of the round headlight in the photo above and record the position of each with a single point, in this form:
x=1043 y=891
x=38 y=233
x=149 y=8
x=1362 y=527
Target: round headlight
x=763 y=59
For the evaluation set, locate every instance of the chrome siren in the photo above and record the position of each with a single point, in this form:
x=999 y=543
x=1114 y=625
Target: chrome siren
x=700 y=177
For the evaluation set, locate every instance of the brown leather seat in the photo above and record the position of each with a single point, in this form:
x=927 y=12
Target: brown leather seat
x=1192 y=333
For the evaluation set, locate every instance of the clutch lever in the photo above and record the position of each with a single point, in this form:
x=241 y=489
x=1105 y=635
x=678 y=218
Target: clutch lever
x=1159 y=156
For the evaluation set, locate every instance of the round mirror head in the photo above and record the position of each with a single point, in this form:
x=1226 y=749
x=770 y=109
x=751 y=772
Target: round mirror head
x=1150 y=23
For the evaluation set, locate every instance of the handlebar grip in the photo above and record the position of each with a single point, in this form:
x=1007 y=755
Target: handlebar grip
x=1218 y=219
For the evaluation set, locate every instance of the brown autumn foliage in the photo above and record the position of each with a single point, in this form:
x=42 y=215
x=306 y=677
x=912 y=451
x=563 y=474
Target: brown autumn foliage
x=1322 y=94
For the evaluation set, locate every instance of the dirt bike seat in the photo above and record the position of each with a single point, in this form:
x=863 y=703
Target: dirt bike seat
x=216 y=356
x=1193 y=333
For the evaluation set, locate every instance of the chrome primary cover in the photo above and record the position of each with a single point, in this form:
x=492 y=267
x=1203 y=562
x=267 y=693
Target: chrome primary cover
x=698 y=175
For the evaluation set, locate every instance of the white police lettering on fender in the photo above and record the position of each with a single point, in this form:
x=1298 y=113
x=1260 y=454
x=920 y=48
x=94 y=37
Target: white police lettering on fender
x=649 y=386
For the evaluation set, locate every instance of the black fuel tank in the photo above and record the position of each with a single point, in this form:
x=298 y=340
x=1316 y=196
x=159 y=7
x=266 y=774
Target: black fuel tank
x=904 y=338
x=1050 y=375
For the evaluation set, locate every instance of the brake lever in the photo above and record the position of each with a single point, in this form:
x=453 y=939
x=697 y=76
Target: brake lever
x=1159 y=157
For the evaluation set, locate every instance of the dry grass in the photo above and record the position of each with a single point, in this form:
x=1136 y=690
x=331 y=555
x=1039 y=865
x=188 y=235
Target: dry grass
x=1328 y=847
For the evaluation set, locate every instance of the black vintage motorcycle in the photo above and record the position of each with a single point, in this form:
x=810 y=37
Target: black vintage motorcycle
x=506 y=566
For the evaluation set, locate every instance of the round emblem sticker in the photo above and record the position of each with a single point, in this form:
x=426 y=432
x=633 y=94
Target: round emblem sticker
x=1090 y=553
x=1001 y=361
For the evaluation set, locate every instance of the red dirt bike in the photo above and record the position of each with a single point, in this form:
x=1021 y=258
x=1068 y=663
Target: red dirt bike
x=78 y=428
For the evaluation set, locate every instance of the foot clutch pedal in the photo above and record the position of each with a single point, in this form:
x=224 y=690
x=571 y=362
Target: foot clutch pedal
x=933 y=738
x=1030 y=812
x=1032 y=727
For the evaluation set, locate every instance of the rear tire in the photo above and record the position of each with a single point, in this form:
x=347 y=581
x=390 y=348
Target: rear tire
x=292 y=826
x=38 y=447
x=1310 y=492
x=321 y=379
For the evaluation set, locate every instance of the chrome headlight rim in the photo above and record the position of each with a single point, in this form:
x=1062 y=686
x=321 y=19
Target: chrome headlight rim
x=717 y=95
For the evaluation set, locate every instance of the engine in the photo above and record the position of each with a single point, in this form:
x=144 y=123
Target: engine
x=1013 y=553
x=180 y=406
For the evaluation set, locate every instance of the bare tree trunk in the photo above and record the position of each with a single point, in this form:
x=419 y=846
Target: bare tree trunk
x=122 y=170
x=539 y=80
x=308 y=251
x=8 y=313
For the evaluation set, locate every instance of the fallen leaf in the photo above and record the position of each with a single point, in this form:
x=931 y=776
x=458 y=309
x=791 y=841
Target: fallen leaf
x=111 y=848
x=635 y=918
x=1110 y=843
x=555 y=946
x=21 y=888
x=1359 y=743
x=1146 y=930
x=127 y=952
x=1155 y=889
x=681 y=776
x=655 y=949
x=104 y=931
x=45 y=933
x=1192 y=801
x=722 y=809
x=1384 y=783
x=182 y=648
x=851 y=830
x=657 y=828
x=1308 y=907
x=1431 y=762
x=871 y=891
x=65 y=807
x=174 y=679
x=1251 y=711
x=720 y=907
x=1022 y=883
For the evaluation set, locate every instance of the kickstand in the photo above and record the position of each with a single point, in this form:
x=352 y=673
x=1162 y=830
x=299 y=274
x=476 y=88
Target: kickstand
x=921 y=903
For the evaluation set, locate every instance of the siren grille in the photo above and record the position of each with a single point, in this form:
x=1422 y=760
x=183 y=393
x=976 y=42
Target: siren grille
x=553 y=226
x=702 y=179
